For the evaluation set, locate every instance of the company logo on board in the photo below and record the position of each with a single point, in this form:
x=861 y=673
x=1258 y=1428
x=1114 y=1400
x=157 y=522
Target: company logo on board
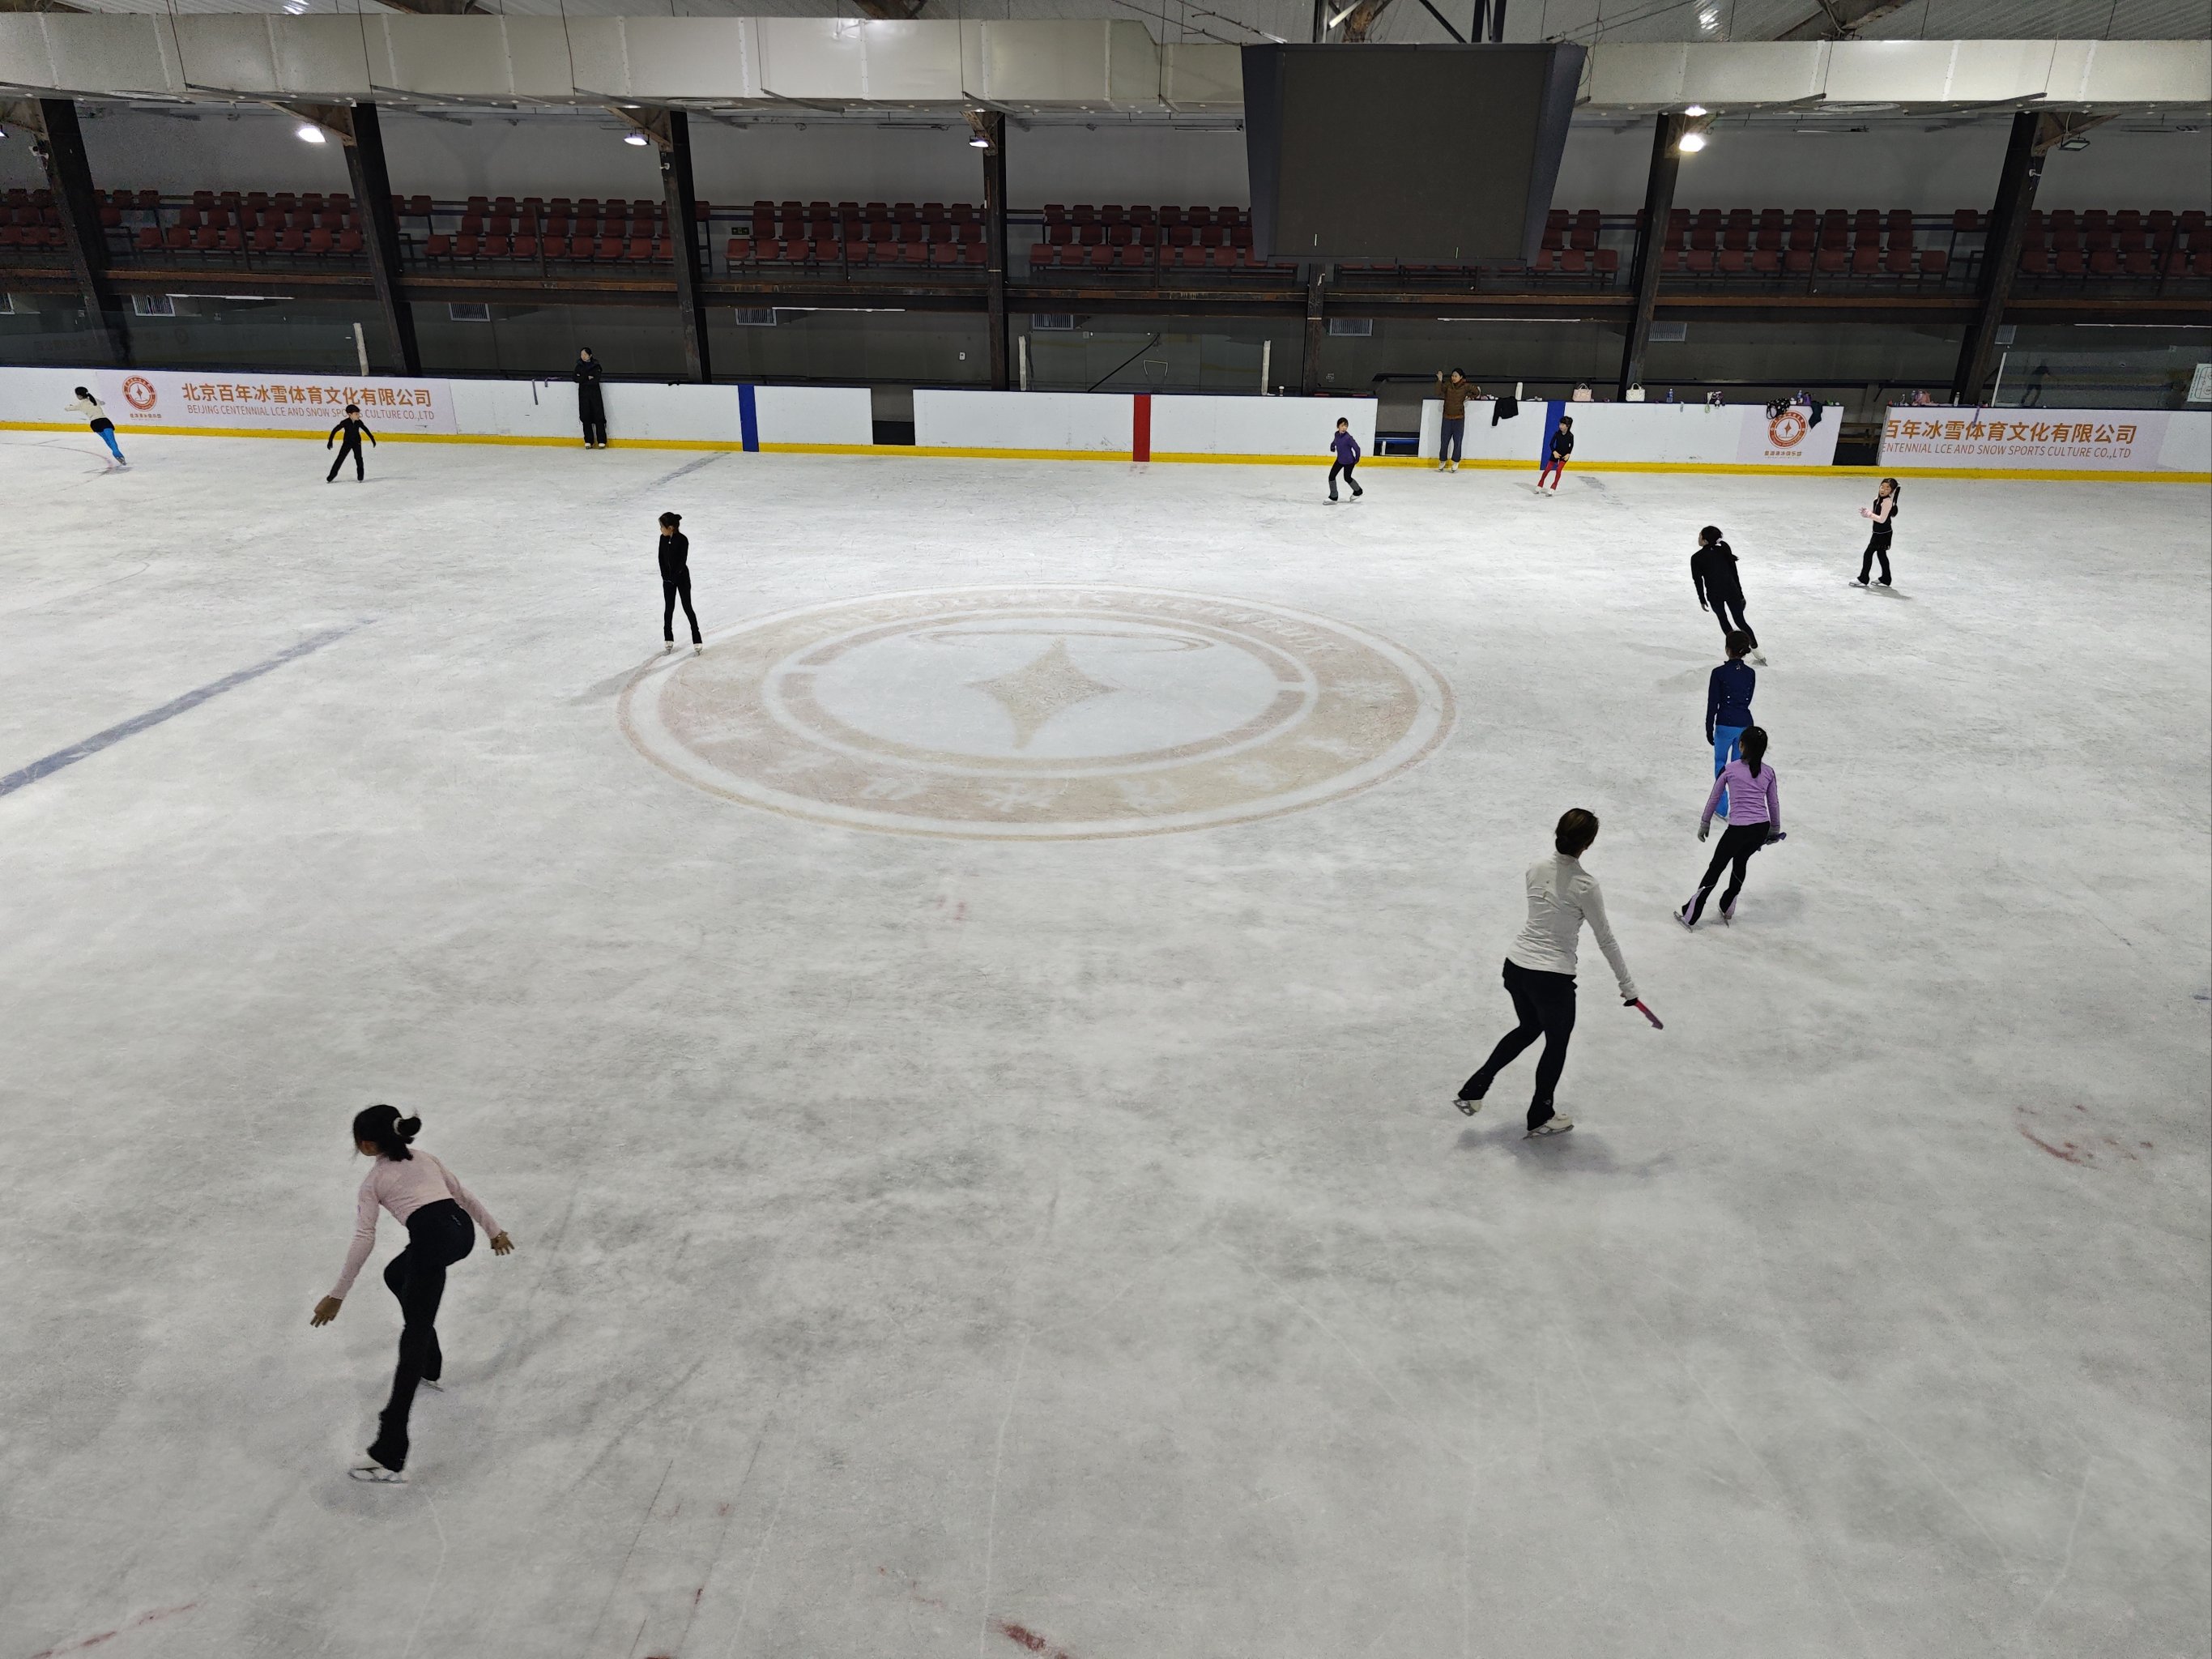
x=138 y=392
x=1039 y=713
x=1787 y=430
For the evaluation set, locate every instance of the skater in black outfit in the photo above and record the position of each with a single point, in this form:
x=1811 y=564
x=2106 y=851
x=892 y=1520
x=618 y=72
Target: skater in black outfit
x=1539 y=971
x=591 y=405
x=354 y=431
x=676 y=581
x=437 y=1212
x=1884 y=514
x=1713 y=574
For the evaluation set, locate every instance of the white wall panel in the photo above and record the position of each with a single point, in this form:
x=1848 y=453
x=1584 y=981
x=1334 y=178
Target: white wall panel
x=1023 y=420
x=1300 y=426
x=814 y=415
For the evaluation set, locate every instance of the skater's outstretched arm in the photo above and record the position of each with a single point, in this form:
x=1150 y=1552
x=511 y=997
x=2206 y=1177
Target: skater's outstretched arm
x=367 y=434
x=1602 y=931
x=340 y=426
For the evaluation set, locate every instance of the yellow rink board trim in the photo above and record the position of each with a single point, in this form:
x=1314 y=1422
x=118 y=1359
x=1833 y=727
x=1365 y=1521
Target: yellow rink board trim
x=2056 y=475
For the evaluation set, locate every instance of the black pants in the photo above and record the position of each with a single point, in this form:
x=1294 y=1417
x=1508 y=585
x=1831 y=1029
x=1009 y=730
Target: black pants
x=1545 y=1004
x=1345 y=467
x=673 y=588
x=1876 y=549
x=1723 y=604
x=1736 y=847
x=595 y=427
x=350 y=446
x=438 y=1236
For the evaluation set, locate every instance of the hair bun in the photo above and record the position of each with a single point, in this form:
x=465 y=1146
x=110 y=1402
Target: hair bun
x=408 y=1127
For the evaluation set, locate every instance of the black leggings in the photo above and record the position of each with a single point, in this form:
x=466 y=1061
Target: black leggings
x=350 y=446
x=1736 y=847
x=438 y=1236
x=1723 y=604
x=1345 y=467
x=680 y=588
x=1876 y=549
x=1545 y=1005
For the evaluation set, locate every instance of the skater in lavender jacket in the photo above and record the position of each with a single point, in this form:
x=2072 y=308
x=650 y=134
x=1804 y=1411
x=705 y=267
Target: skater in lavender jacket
x=1347 y=450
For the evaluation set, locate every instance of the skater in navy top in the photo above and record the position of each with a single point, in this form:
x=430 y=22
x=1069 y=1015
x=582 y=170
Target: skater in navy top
x=1728 y=706
x=1347 y=450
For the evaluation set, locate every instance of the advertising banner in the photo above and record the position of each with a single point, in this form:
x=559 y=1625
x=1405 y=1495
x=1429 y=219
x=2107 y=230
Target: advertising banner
x=1790 y=439
x=152 y=398
x=2031 y=440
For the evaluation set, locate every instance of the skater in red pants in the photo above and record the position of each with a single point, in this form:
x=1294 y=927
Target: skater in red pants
x=1562 y=444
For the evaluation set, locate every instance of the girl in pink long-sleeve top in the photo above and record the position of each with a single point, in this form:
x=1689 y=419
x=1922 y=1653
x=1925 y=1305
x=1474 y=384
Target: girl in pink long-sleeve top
x=1754 y=797
x=440 y=1216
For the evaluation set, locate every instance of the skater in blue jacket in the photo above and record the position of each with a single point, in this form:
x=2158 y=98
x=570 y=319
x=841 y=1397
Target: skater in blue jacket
x=1347 y=450
x=1728 y=706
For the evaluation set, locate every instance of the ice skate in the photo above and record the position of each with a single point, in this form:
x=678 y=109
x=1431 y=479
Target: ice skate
x=1551 y=1126
x=668 y=647
x=1727 y=914
x=697 y=650
x=1468 y=1104
x=1682 y=915
x=376 y=1474
x=1759 y=658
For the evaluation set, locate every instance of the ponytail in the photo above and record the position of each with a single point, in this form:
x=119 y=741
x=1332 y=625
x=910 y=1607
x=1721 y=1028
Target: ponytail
x=1753 y=744
x=382 y=1127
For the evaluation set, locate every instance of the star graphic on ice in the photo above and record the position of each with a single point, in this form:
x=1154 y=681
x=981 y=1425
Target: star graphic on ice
x=1049 y=686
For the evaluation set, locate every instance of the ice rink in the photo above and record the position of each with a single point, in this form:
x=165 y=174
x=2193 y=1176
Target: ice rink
x=978 y=1197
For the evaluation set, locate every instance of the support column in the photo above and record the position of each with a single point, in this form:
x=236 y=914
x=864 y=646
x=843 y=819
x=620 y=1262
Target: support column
x=379 y=227
x=682 y=198
x=2023 y=171
x=68 y=174
x=991 y=126
x=1317 y=330
x=1658 y=203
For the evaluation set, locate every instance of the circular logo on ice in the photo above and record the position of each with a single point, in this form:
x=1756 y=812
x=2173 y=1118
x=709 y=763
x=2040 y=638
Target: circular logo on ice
x=1039 y=713
x=1787 y=430
x=138 y=392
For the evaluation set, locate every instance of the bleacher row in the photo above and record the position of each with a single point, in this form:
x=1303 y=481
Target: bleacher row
x=852 y=234
x=1708 y=244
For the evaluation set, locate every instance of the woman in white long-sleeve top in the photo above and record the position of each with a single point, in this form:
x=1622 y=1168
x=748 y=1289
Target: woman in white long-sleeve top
x=95 y=416
x=1539 y=971
x=440 y=1216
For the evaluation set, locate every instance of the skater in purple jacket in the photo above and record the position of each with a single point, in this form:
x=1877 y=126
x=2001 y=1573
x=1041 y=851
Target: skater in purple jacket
x=1347 y=449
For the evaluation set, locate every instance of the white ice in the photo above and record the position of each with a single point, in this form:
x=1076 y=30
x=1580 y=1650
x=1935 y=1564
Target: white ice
x=946 y=1248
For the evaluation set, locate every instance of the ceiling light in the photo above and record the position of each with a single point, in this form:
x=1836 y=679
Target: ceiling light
x=309 y=133
x=978 y=142
x=1710 y=18
x=294 y=8
x=1692 y=144
x=1694 y=109
x=635 y=138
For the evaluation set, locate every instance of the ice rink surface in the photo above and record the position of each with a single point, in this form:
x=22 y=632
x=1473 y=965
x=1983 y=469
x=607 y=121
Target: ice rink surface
x=932 y=1245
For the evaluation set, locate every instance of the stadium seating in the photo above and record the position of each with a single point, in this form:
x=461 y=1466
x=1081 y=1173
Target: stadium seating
x=1767 y=247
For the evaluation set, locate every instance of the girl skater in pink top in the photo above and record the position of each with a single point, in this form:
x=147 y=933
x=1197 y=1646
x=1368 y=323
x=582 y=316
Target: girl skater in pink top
x=437 y=1211
x=1755 y=798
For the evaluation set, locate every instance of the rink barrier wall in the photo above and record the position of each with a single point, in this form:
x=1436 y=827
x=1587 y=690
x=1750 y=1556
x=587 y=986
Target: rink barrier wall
x=1123 y=427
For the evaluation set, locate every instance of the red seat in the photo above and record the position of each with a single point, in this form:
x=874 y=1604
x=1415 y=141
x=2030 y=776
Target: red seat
x=2034 y=261
x=1700 y=259
x=525 y=247
x=2141 y=261
x=1608 y=262
x=265 y=240
x=1766 y=260
x=641 y=249
x=740 y=250
x=1574 y=261
x=1898 y=259
x=1831 y=258
x=1933 y=261
x=291 y=242
x=1866 y=258
x=1732 y=260
x=149 y=239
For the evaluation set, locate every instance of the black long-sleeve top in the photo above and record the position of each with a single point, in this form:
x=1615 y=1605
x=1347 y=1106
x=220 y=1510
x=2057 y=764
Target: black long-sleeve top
x=587 y=375
x=1712 y=573
x=354 y=431
x=675 y=557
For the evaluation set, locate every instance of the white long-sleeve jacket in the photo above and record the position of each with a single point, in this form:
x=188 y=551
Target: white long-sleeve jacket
x=1562 y=896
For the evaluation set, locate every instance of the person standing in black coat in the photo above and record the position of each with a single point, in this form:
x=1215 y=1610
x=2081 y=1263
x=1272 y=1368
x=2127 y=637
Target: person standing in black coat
x=1712 y=573
x=591 y=405
x=675 y=582
x=355 y=430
